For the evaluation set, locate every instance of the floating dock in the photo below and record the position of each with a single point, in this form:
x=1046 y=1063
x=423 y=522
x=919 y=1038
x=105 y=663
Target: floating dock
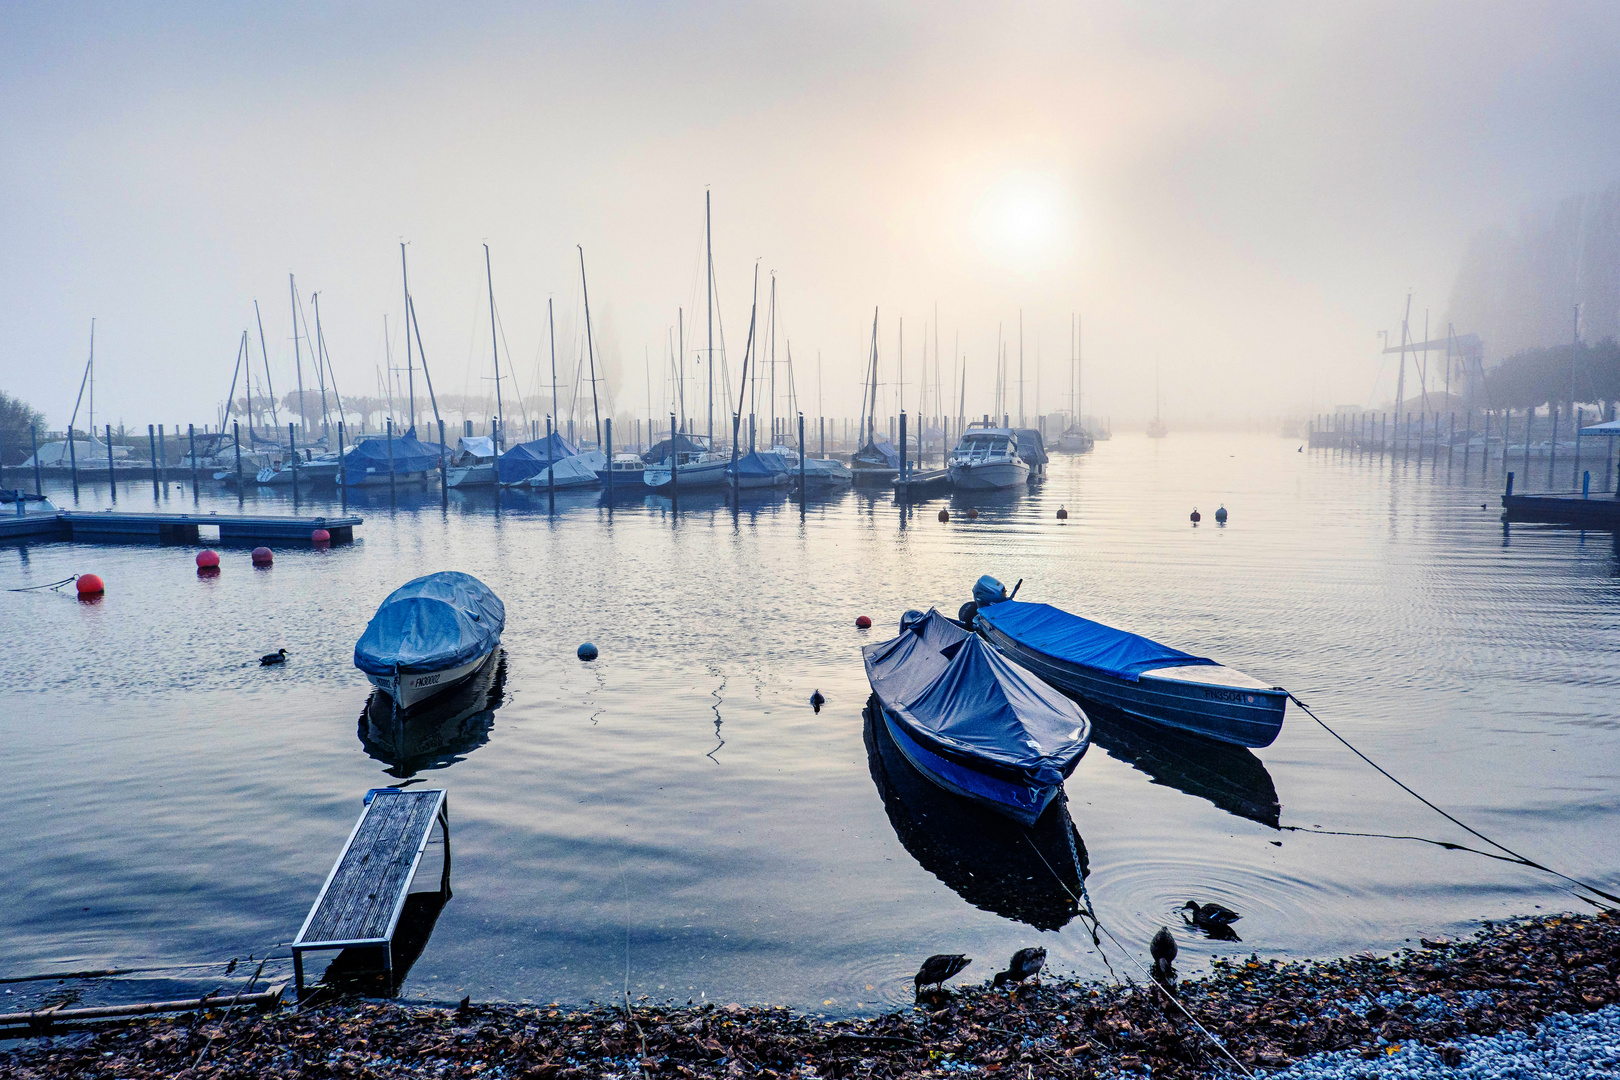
x=918 y=485
x=360 y=904
x=1602 y=512
x=116 y=526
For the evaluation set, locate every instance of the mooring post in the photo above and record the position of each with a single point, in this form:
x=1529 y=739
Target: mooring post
x=551 y=477
x=236 y=433
x=33 y=444
x=1509 y=484
x=1468 y=438
x=1580 y=415
x=1608 y=453
x=607 y=437
x=1529 y=422
x=391 y=482
x=112 y=477
x=1507 y=429
x=191 y=437
x=674 y=461
x=1451 y=437
x=803 y=491
x=823 y=436
x=444 y=476
x=342 y=480
x=1586 y=485
x=163 y=457
x=1422 y=416
x=151 y=446
x=1552 y=449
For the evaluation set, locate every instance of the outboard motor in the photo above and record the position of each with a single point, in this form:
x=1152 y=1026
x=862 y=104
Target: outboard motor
x=910 y=619
x=987 y=590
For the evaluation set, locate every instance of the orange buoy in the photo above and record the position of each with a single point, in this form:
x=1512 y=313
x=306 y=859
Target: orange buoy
x=944 y=515
x=863 y=622
x=206 y=559
x=1063 y=515
x=262 y=556
x=972 y=513
x=321 y=536
x=89 y=585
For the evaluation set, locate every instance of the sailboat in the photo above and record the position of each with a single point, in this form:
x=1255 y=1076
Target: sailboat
x=1076 y=439
x=1157 y=429
x=874 y=462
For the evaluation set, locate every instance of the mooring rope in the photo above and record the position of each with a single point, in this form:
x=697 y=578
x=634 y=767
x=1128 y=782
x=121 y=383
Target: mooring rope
x=1097 y=923
x=1516 y=857
x=52 y=585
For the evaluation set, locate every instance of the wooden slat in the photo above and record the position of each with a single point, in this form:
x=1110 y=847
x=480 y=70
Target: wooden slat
x=374 y=869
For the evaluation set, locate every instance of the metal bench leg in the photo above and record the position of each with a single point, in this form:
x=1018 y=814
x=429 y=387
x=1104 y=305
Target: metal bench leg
x=444 y=823
x=298 y=973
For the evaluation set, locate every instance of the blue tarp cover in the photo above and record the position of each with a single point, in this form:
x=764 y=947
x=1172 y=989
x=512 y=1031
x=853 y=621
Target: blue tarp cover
x=755 y=463
x=531 y=458
x=882 y=455
x=410 y=456
x=1031 y=447
x=432 y=623
x=1074 y=640
x=958 y=693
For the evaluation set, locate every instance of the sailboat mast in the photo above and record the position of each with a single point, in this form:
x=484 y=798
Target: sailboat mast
x=551 y=332
x=495 y=353
x=590 y=344
x=773 y=356
x=708 y=258
x=1020 y=367
x=315 y=358
x=322 y=356
x=298 y=363
x=269 y=383
x=410 y=370
x=1079 y=368
x=92 y=379
x=871 y=417
x=680 y=319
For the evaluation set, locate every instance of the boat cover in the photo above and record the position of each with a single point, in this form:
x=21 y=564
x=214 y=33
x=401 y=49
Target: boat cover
x=526 y=459
x=435 y=622
x=959 y=694
x=577 y=471
x=475 y=446
x=879 y=455
x=1031 y=447
x=825 y=469
x=659 y=454
x=1074 y=640
x=755 y=463
x=410 y=456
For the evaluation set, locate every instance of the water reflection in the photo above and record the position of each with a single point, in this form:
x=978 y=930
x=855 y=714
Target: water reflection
x=1030 y=875
x=1231 y=777
x=437 y=733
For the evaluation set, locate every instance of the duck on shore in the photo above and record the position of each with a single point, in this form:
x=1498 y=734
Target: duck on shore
x=939 y=967
x=1024 y=964
x=1163 y=950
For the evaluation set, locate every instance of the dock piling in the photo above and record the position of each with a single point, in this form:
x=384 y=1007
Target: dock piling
x=1579 y=420
x=607 y=439
x=675 y=461
x=1552 y=451
x=236 y=436
x=391 y=481
x=191 y=437
x=905 y=494
x=342 y=481
x=33 y=443
x=112 y=477
x=1529 y=422
x=151 y=445
x=804 y=492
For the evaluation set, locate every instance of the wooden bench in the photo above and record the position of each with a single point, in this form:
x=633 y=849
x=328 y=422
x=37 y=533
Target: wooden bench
x=360 y=904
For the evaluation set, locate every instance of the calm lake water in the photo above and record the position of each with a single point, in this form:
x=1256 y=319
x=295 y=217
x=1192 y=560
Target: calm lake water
x=675 y=820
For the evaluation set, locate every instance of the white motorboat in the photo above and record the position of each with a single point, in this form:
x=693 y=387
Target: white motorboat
x=987 y=460
x=696 y=470
x=429 y=635
x=473 y=464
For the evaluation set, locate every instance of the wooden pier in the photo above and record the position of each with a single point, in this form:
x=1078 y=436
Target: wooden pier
x=1562 y=508
x=117 y=526
x=360 y=904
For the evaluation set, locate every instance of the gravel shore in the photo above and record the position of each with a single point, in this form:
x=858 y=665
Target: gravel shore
x=1525 y=999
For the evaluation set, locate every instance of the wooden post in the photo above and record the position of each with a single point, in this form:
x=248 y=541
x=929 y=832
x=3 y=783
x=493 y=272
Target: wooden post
x=236 y=430
x=823 y=422
x=803 y=491
x=1421 y=418
x=1529 y=422
x=163 y=458
x=191 y=437
x=1586 y=485
x=1510 y=484
x=1507 y=428
x=905 y=488
x=1451 y=435
x=112 y=477
x=444 y=480
x=675 y=461
x=608 y=439
x=1608 y=454
x=1552 y=450
x=343 y=484
x=151 y=446
x=1579 y=417
x=391 y=489
x=33 y=442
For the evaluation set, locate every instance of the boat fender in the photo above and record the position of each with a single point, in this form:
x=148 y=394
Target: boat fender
x=863 y=622
x=89 y=585
x=262 y=556
x=207 y=560
x=587 y=651
x=320 y=536
x=1062 y=514
x=944 y=515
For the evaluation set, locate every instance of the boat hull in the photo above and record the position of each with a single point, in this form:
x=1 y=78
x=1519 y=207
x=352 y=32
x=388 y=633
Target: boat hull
x=989 y=476
x=1021 y=801
x=704 y=474
x=380 y=479
x=1239 y=712
x=410 y=688
x=622 y=478
x=471 y=476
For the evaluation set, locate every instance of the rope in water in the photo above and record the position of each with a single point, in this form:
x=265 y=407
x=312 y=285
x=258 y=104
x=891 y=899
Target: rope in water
x=1085 y=897
x=52 y=585
x=1516 y=857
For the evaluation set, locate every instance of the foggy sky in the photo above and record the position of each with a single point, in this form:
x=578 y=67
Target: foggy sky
x=1240 y=193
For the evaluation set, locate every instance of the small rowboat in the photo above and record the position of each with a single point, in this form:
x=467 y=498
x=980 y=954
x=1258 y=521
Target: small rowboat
x=1134 y=674
x=972 y=721
x=430 y=635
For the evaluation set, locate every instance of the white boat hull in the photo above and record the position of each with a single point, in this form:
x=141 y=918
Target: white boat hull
x=989 y=476
x=413 y=687
x=703 y=474
x=471 y=476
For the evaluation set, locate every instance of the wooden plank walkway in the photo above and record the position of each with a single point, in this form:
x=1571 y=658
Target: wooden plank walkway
x=365 y=891
x=117 y=525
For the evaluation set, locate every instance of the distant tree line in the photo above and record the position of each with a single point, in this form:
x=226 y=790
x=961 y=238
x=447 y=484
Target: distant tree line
x=15 y=417
x=1543 y=376
x=374 y=411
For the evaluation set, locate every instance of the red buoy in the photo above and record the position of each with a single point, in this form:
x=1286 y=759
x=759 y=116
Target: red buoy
x=862 y=622
x=972 y=513
x=262 y=556
x=321 y=536
x=1063 y=515
x=89 y=585
x=207 y=558
x=944 y=515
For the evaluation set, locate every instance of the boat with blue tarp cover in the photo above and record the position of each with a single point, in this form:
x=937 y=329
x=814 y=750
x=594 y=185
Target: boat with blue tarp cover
x=530 y=459
x=405 y=457
x=972 y=721
x=429 y=635
x=759 y=470
x=1136 y=675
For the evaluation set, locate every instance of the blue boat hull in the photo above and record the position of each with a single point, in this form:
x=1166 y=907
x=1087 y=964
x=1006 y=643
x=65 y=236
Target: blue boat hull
x=1022 y=801
x=1242 y=716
